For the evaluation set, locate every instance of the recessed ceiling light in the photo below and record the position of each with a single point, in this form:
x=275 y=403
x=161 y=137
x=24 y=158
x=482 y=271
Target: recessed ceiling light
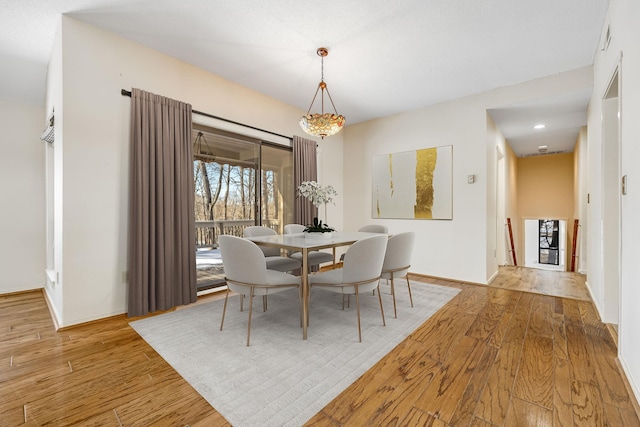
x=540 y=126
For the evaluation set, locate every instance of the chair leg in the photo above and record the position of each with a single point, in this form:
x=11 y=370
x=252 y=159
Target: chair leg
x=308 y=303
x=300 y=305
x=250 y=312
x=264 y=303
x=241 y=301
x=358 y=311
x=381 y=309
x=224 y=310
x=409 y=286
x=393 y=294
x=301 y=310
x=348 y=300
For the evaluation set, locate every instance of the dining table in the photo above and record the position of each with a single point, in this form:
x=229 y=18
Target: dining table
x=305 y=243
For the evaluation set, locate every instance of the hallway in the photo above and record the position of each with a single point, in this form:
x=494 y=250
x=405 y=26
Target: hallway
x=562 y=284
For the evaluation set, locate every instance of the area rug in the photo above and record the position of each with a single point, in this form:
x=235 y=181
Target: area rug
x=281 y=379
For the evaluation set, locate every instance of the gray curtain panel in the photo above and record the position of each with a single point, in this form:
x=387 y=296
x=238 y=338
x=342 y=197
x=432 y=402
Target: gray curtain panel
x=162 y=263
x=305 y=168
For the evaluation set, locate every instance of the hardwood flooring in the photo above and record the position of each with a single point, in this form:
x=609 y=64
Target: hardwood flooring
x=493 y=356
x=554 y=283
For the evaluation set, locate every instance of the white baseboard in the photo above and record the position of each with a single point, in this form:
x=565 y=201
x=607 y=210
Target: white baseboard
x=55 y=317
x=630 y=381
x=493 y=277
x=594 y=300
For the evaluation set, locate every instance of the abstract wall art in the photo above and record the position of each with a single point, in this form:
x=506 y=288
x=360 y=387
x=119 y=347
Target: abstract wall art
x=413 y=184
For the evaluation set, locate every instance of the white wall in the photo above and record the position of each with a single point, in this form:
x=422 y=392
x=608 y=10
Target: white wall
x=511 y=204
x=462 y=248
x=93 y=156
x=53 y=185
x=623 y=16
x=330 y=173
x=580 y=199
x=531 y=245
x=502 y=167
x=441 y=246
x=495 y=142
x=22 y=231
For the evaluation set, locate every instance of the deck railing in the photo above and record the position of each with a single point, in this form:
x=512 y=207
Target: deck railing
x=207 y=232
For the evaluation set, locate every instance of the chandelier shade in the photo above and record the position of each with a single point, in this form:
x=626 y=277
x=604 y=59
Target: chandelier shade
x=322 y=124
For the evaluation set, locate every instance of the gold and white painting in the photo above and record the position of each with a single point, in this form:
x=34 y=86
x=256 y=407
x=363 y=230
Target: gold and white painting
x=413 y=184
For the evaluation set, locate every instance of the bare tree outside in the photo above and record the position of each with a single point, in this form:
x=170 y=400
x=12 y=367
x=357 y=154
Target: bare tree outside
x=224 y=192
x=227 y=193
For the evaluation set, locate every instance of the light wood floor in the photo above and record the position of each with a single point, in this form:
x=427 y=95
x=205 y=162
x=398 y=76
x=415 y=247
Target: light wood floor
x=493 y=356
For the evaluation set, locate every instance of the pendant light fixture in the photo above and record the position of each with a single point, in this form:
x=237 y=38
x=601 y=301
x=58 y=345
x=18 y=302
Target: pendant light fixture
x=322 y=124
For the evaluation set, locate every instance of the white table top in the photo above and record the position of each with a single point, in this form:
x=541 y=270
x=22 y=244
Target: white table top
x=298 y=241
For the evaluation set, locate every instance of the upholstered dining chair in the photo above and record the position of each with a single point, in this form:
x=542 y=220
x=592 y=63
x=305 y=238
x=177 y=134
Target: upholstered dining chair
x=360 y=273
x=314 y=258
x=272 y=255
x=246 y=273
x=397 y=262
x=374 y=228
x=371 y=228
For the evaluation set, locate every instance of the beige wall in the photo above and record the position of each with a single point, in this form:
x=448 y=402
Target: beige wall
x=546 y=191
x=580 y=199
x=92 y=154
x=471 y=235
x=511 y=205
x=576 y=178
x=22 y=231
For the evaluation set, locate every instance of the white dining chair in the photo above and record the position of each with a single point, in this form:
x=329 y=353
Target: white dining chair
x=374 y=228
x=371 y=228
x=314 y=258
x=397 y=262
x=246 y=273
x=272 y=256
x=360 y=273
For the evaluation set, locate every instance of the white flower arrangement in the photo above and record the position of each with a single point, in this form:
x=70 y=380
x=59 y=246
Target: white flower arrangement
x=316 y=193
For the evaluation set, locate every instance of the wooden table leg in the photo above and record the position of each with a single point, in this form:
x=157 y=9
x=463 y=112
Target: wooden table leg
x=305 y=292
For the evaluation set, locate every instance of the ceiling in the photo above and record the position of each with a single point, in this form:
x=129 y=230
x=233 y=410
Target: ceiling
x=563 y=116
x=384 y=57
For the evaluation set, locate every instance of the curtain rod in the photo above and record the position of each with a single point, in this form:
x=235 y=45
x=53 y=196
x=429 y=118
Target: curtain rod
x=125 y=92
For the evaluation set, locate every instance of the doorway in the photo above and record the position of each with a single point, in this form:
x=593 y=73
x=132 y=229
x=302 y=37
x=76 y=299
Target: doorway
x=611 y=211
x=548 y=241
x=545 y=243
x=239 y=182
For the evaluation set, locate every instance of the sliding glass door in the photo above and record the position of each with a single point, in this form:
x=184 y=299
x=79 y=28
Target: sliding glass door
x=277 y=193
x=239 y=182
